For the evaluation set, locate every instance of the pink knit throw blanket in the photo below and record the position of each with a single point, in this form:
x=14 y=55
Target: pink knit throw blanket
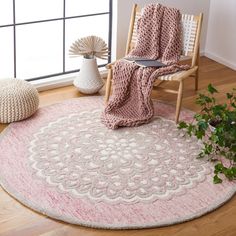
x=158 y=37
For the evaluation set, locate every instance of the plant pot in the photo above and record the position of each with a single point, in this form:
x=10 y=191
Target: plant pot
x=89 y=80
x=213 y=124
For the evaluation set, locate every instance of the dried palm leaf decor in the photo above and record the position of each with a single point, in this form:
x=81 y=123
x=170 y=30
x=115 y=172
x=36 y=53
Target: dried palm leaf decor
x=89 y=47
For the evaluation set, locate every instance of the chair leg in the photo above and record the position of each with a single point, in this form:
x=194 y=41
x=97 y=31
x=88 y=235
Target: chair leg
x=108 y=85
x=179 y=101
x=196 y=79
x=197 y=72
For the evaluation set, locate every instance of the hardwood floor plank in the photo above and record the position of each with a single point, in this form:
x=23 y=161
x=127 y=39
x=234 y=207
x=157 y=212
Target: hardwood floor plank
x=17 y=220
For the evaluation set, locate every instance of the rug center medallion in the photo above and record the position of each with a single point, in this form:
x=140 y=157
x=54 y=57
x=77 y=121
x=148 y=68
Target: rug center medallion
x=79 y=155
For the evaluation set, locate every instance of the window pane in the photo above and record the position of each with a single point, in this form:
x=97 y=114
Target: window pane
x=31 y=10
x=6 y=12
x=6 y=53
x=82 y=27
x=76 y=7
x=39 y=49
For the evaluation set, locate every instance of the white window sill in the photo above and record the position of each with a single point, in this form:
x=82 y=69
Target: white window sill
x=60 y=81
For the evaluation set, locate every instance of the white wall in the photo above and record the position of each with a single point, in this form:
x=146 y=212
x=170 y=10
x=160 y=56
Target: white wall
x=221 y=35
x=123 y=8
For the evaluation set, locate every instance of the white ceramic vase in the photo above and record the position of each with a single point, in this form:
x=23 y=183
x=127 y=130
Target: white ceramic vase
x=89 y=80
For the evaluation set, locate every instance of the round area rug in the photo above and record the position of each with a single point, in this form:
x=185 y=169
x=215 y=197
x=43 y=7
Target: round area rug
x=64 y=163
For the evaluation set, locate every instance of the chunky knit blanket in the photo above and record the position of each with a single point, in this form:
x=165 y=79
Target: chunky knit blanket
x=158 y=37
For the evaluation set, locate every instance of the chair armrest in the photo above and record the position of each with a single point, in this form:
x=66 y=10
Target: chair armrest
x=109 y=66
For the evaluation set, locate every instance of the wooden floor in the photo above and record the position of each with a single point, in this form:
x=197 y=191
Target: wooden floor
x=17 y=220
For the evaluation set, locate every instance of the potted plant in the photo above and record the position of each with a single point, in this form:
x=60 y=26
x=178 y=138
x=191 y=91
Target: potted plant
x=215 y=125
x=89 y=80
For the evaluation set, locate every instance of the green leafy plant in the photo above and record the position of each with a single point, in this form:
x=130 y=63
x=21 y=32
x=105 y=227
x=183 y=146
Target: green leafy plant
x=215 y=125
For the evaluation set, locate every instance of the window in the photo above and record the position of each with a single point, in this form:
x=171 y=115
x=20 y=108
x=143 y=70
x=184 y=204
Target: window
x=35 y=36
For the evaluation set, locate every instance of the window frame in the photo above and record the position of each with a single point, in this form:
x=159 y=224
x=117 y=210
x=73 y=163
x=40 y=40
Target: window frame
x=63 y=19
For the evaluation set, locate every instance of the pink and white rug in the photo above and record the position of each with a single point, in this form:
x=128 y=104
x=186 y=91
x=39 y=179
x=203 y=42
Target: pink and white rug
x=64 y=163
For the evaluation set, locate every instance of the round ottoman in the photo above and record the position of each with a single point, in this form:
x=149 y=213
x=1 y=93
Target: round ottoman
x=18 y=100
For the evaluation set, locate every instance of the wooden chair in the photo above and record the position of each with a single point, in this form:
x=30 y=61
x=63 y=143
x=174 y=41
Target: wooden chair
x=191 y=28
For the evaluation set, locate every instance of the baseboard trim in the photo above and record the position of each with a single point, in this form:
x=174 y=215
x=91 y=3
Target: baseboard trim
x=202 y=53
x=220 y=60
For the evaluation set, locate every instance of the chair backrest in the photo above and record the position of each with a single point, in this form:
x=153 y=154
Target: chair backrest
x=191 y=28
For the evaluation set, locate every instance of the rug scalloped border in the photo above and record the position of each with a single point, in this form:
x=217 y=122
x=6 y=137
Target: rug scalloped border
x=15 y=195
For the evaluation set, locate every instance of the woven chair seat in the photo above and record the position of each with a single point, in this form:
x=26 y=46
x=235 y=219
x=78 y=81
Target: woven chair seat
x=171 y=76
x=18 y=100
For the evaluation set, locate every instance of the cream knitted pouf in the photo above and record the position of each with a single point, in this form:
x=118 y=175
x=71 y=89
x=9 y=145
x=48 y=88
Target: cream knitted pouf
x=18 y=100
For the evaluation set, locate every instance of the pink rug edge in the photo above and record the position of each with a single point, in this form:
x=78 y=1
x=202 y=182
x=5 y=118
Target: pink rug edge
x=13 y=194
